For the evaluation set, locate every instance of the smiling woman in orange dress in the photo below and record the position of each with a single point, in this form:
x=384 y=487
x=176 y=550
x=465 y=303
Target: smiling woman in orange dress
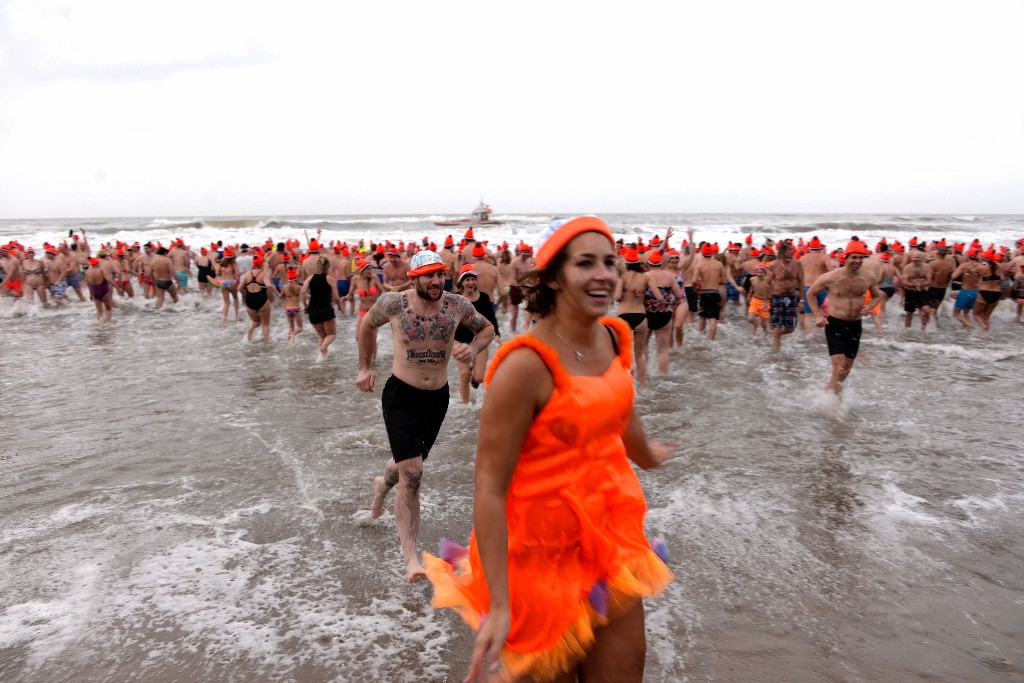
x=558 y=562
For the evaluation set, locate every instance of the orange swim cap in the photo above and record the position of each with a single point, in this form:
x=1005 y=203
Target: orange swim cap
x=558 y=235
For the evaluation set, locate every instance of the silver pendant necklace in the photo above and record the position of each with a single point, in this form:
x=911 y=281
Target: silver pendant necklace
x=579 y=356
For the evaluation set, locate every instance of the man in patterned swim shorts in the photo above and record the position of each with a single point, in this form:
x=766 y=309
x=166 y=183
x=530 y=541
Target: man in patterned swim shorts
x=785 y=279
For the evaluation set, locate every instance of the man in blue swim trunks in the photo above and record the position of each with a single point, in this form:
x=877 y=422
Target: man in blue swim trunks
x=969 y=273
x=813 y=265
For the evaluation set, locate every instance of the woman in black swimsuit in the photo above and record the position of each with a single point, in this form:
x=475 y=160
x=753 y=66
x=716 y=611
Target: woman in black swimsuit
x=321 y=290
x=474 y=371
x=258 y=296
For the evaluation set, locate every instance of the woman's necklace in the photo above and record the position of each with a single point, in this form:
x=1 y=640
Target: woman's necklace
x=579 y=356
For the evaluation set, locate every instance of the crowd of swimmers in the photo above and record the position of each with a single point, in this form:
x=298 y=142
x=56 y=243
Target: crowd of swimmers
x=663 y=289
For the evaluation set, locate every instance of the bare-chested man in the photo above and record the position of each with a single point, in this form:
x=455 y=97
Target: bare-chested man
x=12 y=274
x=785 y=277
x=56 y=274
x=712 y=276
x=395 y=272
x=520 y=266
x=969 y=275
x=341 y=268
x=846 y=289
x=143 y=265
x=813 y=265
x=77 y=260
x=163 y=277
x=450 y=259
x=938 y=269
x=486 y=272
x=181 y=258
x=415 y=397
x=914 y=281
x=734 y=264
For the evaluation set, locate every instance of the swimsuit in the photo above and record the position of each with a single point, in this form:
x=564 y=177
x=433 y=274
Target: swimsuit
x=843 y=337
x=914 y=299
x=14 y=286
x=182 y=279
x=343 y=286
x=363 y=293
x=58 y=288
x=966 y=299
x=692 y=300
x=710 y=304
x=254 y=301
x=577 y=554
x=205 y=272
x=731 y=293
x=483 y=306
x=163 y=284
x=634 y=320
x=990 y=297
x=759 y=307
x=783 y=309
x=412 y=417
x=821 y=299
x=320 y=308
x=100 y=290
x=291 y=311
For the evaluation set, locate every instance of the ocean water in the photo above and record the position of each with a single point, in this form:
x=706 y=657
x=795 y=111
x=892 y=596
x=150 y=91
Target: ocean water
x=177 y=504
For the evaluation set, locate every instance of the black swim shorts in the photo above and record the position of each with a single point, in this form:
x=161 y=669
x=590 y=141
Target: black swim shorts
x=412 y=417
x=691 y=298
x=710 y=304
x=913 y=299
x=843 y=337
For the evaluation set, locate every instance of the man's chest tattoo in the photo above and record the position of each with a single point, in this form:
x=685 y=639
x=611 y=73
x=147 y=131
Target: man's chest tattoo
x=438 y=327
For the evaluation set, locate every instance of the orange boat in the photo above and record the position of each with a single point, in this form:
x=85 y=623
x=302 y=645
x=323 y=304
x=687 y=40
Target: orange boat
x=481 y=216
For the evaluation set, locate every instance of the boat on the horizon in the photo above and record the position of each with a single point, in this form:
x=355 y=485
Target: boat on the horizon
x=481 y=216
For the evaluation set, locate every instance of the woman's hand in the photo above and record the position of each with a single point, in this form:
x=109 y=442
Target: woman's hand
x=485 y=664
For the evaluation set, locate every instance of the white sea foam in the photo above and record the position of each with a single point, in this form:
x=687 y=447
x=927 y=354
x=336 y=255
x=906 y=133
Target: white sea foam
x=977 y=352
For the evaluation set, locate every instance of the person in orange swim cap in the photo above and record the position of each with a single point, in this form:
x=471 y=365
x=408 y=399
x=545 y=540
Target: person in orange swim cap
x=846 y=287
x=557 y=424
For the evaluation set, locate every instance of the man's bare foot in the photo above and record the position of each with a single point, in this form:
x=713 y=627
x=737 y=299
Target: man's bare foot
x=380 y=492
x=415 y=572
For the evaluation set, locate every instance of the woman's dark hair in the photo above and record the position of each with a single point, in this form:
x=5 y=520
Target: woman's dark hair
x=537 y=292
x=635 y=267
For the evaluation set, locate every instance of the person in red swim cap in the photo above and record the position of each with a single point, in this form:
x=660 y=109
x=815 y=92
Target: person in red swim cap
x=846 y=289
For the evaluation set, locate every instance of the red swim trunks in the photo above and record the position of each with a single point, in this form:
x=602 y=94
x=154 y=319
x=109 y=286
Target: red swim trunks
x=14 y=286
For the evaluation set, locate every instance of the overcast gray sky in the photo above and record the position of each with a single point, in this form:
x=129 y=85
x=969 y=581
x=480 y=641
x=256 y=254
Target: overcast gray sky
x=191 y=108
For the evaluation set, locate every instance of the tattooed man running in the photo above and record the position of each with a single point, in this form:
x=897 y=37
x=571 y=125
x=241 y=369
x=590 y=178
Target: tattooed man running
x=415 y=397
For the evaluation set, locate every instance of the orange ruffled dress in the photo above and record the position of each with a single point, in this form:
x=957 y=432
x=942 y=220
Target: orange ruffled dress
x=577 y=553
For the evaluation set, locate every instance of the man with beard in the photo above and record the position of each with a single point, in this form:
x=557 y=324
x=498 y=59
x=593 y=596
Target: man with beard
x=415 y=397
x=846 y=288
